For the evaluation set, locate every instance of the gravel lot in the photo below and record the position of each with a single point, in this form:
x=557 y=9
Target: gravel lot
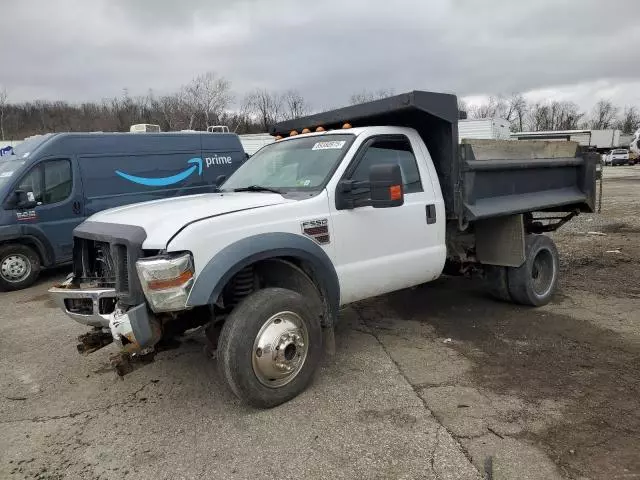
x=436 y=382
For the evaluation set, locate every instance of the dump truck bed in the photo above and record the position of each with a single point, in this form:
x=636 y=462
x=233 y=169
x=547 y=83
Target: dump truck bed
x=479 y=178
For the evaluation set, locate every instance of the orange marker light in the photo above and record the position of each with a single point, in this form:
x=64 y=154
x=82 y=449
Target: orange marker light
x=346 y=125
x=170 y=282
x=306 y=130
x=395 y=192
x=293 y=133
x=320 y=129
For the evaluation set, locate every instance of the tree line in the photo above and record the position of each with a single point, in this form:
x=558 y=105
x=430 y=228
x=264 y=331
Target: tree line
x=209 y=100
x=555 y=115
x=203 y=102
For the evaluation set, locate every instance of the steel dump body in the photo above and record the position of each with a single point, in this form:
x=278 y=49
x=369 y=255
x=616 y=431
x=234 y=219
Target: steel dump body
x=479 y=178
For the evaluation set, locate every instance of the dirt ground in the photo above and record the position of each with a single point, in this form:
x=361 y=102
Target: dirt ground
x=563 y=380
x=436 y=382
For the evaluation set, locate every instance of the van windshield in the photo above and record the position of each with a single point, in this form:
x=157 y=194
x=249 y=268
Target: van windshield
x=9 y=165
x=23 y=149
x=300 y=164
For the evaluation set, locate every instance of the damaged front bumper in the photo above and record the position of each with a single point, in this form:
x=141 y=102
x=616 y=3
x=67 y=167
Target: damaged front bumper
x=136 y=330
x=91 y=306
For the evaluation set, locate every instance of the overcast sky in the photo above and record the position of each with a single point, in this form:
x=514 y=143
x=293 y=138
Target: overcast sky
x=86 y=50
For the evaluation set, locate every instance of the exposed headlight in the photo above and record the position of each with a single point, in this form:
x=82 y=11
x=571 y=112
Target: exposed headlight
x=166 y=280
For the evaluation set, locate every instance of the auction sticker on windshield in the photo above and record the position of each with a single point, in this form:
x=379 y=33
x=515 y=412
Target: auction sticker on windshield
x=336 y=145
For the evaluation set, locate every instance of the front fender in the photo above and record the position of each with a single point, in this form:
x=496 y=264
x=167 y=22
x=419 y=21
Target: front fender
x=29 y=235
x=233 y=258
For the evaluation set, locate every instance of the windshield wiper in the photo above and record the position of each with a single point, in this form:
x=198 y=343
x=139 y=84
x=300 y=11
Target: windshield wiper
x=257 y=188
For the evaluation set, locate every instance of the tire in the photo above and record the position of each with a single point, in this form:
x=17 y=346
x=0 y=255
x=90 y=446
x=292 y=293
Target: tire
x=19 y=266
x=536 y=280
x=496 y=283
x=269 y=314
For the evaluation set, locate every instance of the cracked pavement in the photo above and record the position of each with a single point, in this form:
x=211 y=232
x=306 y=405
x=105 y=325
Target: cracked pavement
x=67 y=416
x=436 y=382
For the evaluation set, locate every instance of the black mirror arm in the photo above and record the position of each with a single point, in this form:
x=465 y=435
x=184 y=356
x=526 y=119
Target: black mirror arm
x=347 y=186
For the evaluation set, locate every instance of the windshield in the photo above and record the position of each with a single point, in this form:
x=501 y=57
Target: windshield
x=9 y=165
x=303 y=164
x=619 y=152
x=23 y=149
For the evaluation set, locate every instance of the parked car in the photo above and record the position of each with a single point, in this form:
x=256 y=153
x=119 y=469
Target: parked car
x=619 y=156
x=51 y=183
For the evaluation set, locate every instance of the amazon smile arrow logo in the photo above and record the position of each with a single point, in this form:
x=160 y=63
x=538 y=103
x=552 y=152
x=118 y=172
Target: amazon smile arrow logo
x=164 y=181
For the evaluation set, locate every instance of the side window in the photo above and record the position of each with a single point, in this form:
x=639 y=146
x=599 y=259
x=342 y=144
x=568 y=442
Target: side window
x=32 y=184
x=57 y=181
x=49 y=182
x=386 y=150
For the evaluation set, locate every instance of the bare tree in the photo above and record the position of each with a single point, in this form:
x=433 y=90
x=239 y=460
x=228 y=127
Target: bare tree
x=630 y=120
x=3 y=102
x=207 y=96
x=462 y=107
x=368 y=96
x=295 y=105
x=603 y=115
x=516 y=111
x=170 y=106
x=266 y=106
x=568 y=115
x=493 y=107
x=554 y=116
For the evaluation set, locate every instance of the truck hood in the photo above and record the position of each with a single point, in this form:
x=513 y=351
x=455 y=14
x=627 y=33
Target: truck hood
x=161 y=219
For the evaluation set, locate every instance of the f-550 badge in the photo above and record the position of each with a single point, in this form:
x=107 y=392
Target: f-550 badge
x=318 y=230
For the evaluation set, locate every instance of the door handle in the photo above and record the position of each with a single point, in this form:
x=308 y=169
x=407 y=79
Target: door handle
x=76 y=207
x=431 y=214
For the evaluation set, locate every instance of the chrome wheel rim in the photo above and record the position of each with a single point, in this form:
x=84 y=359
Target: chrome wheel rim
x=280 y=349
x=15 y=267
x=543 y=272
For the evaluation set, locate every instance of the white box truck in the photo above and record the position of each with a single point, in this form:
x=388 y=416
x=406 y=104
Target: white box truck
x=484 y=128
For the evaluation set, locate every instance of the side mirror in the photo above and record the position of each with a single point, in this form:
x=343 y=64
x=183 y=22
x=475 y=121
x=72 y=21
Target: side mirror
x=22 y=200
x=386 y=186
x=220 y=179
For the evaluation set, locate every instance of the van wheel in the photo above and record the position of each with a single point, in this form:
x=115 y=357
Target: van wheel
x=536 y=280
x=270 y=347
x=19 y=267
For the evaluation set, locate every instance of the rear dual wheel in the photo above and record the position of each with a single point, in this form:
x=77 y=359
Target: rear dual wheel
x=270 y=347
x=534 y=282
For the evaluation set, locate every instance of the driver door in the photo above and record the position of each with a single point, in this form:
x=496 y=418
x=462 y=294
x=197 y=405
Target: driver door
x=53 y=185
x=381 y=250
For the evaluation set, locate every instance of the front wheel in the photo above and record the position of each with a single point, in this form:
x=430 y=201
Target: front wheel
x=536 y=280
x=19 y=267
x=270 y=347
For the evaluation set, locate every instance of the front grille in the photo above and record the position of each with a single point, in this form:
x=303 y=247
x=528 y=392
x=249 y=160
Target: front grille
x=105 y=265
x=96 y=262
x=104 y=255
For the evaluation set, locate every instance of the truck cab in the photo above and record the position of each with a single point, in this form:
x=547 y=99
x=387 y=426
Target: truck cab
x=327 y=215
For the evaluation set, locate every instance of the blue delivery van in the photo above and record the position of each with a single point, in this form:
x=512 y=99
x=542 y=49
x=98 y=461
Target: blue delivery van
x=51 y=183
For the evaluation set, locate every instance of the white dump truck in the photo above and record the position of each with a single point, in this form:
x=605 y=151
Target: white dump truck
x=375 y=198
